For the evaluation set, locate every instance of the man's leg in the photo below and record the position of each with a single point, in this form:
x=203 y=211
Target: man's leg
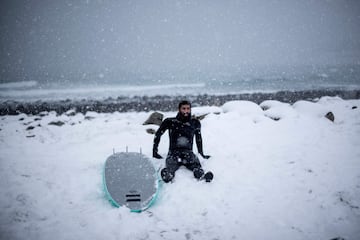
x=172 y=164
x=194 y=165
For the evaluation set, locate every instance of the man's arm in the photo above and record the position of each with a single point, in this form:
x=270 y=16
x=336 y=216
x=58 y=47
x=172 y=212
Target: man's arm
x=163 y=127
x=198 y=139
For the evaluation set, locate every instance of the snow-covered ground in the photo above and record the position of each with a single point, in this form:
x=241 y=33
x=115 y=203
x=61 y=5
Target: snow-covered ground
x=296 y=177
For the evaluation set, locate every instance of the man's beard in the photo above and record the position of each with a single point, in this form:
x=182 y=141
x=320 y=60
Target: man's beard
x=182 y=117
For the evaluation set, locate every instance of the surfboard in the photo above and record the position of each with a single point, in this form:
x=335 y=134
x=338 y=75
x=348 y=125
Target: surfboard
x=130 y=180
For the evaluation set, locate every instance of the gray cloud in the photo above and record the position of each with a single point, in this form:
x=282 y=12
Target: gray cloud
x=78 y=39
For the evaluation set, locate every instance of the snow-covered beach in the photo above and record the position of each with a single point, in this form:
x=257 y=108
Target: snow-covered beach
x=275 y=85
x=282 y=171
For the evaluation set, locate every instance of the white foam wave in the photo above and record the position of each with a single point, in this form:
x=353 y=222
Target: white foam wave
x=16 y=85
x=99 y=91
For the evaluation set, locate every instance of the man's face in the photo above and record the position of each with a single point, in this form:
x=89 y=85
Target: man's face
x=185 y=110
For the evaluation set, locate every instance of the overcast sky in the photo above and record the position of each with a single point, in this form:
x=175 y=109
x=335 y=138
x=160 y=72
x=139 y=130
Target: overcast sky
x=73 y=38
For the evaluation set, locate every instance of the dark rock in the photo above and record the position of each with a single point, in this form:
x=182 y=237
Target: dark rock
x=354 y=107
x=21 y=119
x=89 y=118
x=155 y=118
x=43 y=114
x=71 y=113
x=200 y=117
x=151 y=131
x=30 y=136
x=30 y=128
x=273 y=118
x=330 y=116
x=57 y=123
x=276 y=118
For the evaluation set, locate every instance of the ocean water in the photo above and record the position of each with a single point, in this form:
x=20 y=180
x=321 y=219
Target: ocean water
x=253 y=80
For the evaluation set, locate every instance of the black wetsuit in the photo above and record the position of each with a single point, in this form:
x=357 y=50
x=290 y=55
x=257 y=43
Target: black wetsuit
x=181 y=133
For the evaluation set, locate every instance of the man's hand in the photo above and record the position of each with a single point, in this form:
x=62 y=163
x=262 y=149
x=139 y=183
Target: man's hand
x=205 y=156
x=156 y=155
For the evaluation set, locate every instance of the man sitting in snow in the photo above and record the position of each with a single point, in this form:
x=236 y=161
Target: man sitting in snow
x=182 y=129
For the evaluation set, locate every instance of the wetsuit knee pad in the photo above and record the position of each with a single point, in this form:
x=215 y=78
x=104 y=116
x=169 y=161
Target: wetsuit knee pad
x=166 y=175
x=198 y=173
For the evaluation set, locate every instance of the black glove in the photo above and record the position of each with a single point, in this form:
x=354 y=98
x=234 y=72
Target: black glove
x=156 y=155
x=205 y=156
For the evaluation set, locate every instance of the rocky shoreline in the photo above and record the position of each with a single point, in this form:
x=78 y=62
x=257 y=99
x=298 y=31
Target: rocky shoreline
x=160 y=102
